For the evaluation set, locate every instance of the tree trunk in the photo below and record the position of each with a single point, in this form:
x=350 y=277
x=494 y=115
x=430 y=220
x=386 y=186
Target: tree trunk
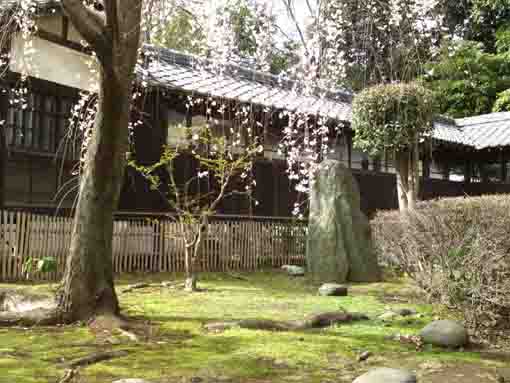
x=3 y=161
x=402 y=168
x=414 y=176
x=408 y=177
x=3 y=147
x=190 y=283
x=88 y=286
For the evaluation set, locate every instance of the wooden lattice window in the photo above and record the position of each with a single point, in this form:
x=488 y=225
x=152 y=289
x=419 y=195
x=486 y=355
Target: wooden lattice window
x=41 y=125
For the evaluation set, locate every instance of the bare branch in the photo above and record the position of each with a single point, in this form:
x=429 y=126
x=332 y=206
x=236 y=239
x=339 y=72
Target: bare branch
x=292 y=15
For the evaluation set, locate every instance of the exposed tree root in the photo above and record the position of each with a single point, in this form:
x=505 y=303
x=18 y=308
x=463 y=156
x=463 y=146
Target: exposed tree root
x=315 y=321
x=96 y=358
x=20 y=309
x=138 y=286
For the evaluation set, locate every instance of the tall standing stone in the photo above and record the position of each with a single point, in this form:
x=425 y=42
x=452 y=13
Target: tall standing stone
x=339 y=245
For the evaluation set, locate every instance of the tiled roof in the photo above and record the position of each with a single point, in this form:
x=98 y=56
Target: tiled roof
x=480 y=132
x=177 y=70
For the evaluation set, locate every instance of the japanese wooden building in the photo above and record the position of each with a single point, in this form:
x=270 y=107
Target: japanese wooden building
x=468 y=156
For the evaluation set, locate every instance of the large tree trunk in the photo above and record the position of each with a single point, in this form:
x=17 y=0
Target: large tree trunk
x=3 y=161
x=3 y=147
x=88 y=282
x=88 y=287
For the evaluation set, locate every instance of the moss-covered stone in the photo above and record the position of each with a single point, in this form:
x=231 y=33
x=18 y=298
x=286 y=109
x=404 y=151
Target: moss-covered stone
x=339 y=246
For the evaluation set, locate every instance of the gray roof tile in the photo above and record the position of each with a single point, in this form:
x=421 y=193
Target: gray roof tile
x=178 y=70
x=480 y=132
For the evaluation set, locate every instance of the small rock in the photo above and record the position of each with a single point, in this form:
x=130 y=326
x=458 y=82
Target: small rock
x=364 y=356
x=196 y=379
x=333 y=289
x=388 y=316
x=445 y=333
x=406 y=312
x=387 y=375
x=131 y=381
x=295 y=271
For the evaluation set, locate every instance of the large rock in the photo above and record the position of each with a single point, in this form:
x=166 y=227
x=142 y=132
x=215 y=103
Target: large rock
x=339 y=245
x=295 y=271
x=445 y=333
x=333 y=289
x=387 y=375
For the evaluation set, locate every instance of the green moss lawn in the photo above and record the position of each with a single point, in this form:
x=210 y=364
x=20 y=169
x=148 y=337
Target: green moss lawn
x=174 y=347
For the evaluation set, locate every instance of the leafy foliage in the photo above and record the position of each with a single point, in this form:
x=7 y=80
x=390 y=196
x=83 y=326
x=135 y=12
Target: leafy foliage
x=179 y=33
x=486 y=17
x=41 y=265
x=502 y=103
x=222 y=162
x=468 y=81
x=391 y=117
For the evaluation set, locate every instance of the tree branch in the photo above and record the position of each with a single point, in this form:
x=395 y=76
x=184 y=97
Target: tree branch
x=112 y=18
x=290 y=11
x=89 y=24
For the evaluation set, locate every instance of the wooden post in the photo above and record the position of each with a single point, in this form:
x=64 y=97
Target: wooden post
x=426 y=167
x=483 y=172
x=349 y=150
x=446 y=170
x=503 y=166
x=468 y=171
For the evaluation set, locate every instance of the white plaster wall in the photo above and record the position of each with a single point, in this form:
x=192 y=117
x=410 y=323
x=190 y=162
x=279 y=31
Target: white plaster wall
x=53 y=62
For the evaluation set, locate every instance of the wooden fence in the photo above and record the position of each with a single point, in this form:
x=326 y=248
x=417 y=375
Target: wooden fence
x=147 y=243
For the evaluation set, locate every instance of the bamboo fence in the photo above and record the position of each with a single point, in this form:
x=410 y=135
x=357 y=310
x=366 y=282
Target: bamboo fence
x=147 y=243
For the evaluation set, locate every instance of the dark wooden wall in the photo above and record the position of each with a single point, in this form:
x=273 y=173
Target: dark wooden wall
x=379 y=190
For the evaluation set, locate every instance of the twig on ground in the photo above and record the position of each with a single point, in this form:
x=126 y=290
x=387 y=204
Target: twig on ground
x=95 y=358
x=138 y=286
x=237 y=276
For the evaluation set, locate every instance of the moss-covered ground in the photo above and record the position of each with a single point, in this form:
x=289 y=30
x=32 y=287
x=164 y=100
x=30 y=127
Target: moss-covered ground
x=175 y=348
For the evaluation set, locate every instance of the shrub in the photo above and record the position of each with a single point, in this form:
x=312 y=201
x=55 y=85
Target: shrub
x=457 y=250
x=391 y=117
